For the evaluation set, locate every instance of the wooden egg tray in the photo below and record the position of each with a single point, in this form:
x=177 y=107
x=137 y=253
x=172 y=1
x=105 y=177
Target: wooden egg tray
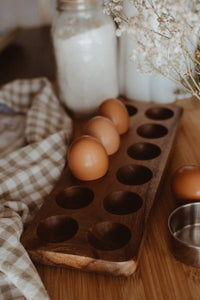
x=99 y=225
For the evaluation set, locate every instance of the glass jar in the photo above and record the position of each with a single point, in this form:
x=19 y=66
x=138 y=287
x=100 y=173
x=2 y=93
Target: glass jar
x=86 y=55
x=134 y=84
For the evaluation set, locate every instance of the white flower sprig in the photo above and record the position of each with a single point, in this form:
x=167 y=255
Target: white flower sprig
x=167 y=38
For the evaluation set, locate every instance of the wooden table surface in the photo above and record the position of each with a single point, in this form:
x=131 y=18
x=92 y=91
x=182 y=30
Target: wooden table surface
x=159 y=274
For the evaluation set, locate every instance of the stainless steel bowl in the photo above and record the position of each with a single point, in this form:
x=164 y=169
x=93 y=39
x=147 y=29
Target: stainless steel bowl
x=184 y=227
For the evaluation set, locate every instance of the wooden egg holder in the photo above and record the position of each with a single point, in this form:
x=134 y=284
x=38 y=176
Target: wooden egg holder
x=99 y=225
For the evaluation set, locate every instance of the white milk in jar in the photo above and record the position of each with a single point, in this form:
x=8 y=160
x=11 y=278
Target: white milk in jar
x=86 y=55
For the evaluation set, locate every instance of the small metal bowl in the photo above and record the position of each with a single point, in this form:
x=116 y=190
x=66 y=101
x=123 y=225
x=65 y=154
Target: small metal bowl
x=184 y=227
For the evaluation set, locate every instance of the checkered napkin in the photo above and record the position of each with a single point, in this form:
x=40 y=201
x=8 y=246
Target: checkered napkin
x=27 y=175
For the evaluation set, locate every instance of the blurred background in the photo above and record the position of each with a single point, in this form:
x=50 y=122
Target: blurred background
x=26 y=13
x=25 y=39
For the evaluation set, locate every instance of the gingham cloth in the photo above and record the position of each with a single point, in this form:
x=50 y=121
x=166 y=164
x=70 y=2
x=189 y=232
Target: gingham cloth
x=27 y=175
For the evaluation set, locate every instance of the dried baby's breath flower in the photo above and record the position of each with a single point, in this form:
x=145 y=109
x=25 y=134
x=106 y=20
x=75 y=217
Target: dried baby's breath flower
x=118 y=32
x=106 y=11
x=117 y=20
x=118 y=7
x=166 y=34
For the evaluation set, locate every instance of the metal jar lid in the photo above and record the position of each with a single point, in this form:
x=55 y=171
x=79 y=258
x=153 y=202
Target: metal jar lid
x=74 y=3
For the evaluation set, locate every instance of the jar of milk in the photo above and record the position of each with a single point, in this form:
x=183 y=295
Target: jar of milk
x=141 y=86
x=86 y=55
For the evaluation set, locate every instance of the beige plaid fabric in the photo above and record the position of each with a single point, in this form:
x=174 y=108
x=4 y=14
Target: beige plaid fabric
x=27 y=175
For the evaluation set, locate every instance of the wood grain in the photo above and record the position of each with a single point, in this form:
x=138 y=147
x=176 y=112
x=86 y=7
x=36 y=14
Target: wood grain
x=99 y=225
x=159 y=275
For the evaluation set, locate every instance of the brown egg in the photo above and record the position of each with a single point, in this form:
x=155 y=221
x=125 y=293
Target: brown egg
x=87 y=158
x=105 y=131
x=186 y=183
x=116 y=111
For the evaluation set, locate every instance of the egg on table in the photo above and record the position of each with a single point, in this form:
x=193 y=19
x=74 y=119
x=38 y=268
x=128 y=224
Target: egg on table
x=87 y=158
x=116 y=111
x=105 y=131
x=186 y=183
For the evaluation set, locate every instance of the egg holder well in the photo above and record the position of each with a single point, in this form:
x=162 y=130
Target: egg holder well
x=99 y=225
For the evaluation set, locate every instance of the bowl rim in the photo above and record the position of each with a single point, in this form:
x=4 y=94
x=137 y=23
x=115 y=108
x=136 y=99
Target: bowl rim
x=173 y=213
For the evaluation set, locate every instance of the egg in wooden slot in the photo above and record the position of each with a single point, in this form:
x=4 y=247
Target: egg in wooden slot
x=186 y=184
x=116 y=111
x=105 y=131
x=87 y=158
